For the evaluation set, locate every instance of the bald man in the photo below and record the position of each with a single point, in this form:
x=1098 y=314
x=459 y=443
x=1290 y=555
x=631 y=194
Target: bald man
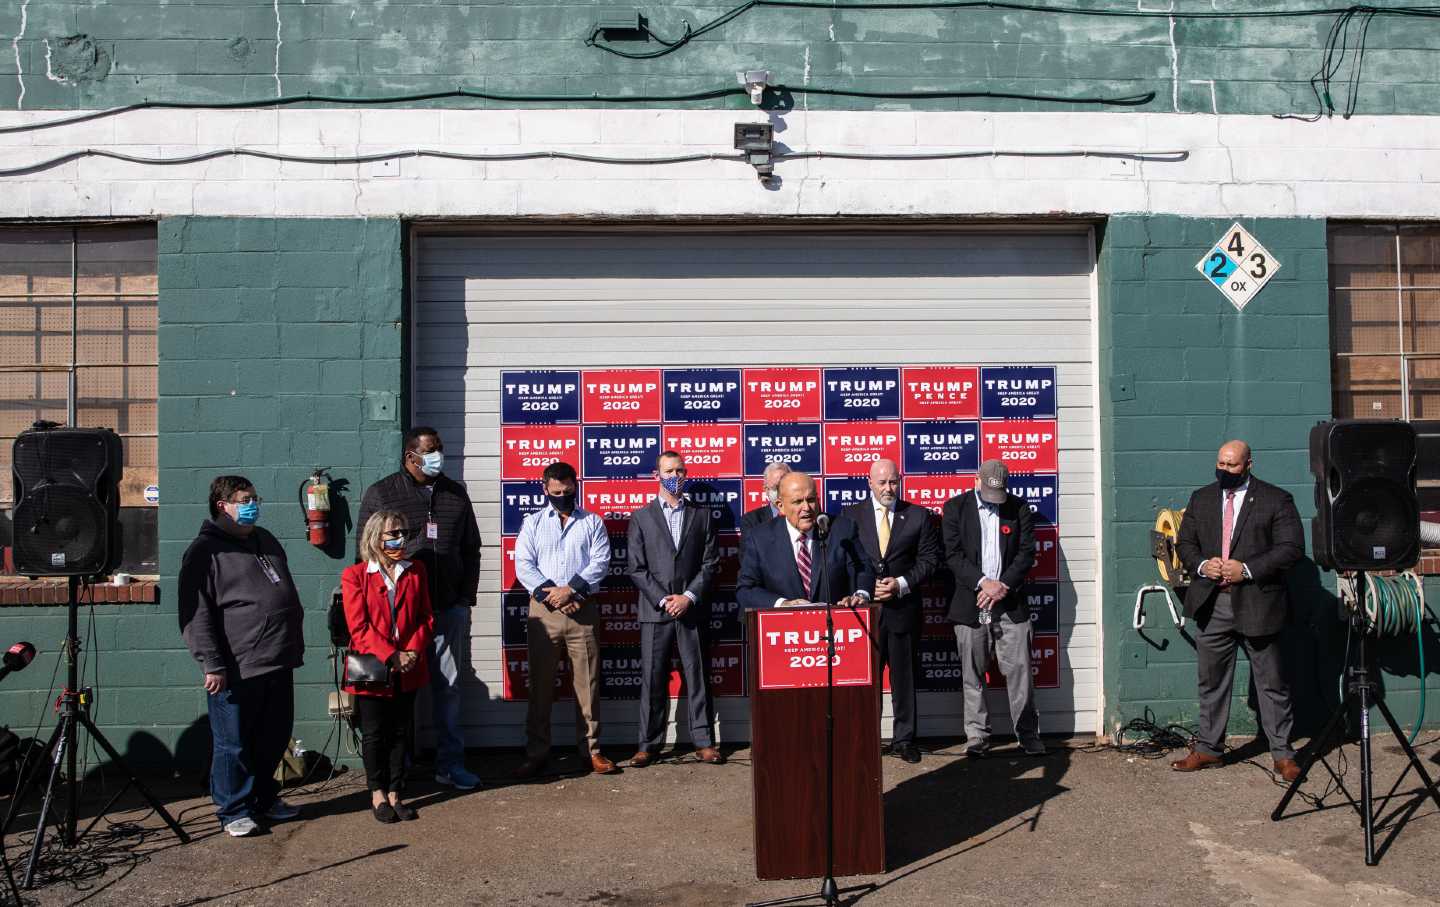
x=792 y=562
x=771 y=508
x=1238 y=538
x=902 y=543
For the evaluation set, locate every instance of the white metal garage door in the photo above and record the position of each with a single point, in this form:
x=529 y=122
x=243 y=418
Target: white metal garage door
x=693 y=298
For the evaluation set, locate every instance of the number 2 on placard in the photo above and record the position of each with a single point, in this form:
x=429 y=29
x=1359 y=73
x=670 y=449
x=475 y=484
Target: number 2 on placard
x=1217 y=272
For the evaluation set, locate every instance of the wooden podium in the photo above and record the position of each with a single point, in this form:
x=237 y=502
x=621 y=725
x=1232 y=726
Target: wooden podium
x=787 y=743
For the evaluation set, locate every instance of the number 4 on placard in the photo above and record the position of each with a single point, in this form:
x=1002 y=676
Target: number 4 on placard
x=1238 y=266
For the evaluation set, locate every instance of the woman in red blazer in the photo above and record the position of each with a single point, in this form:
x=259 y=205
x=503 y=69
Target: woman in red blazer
x=387 y=607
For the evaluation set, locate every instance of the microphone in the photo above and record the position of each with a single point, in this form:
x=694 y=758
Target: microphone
x=16 y=658
x=822 y=526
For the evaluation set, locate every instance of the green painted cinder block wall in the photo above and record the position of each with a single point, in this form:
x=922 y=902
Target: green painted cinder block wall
x=1181 y=372
x=82 y=54
x=280 y=351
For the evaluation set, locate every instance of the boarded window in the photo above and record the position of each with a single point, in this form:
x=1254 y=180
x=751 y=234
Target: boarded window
x=78 y=319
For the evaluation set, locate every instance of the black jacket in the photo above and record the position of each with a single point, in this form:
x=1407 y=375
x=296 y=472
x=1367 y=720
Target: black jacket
x=757 y=516
x=960 y=524
x=452 y=560
x=1268 y=537
x=235 y=619
x=914 y=553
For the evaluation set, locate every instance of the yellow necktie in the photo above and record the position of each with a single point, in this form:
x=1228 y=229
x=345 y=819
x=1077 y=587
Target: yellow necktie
x=884 y=530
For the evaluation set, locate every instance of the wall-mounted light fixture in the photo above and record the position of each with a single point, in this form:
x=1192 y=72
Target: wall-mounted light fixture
x=755 y=82
x=757 y=141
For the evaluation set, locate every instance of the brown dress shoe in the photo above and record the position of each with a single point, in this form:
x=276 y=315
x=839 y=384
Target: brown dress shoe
x=603 y=766
x=642 y=759
x=1197 y=761
x=709 y=755
x=1287 y=769
x=528 y=769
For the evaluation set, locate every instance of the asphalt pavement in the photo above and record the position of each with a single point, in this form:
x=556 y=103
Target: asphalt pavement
x=1082 y=825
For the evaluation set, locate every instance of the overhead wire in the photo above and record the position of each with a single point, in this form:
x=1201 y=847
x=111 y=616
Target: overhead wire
x=1128 y=100
x=690 y=33
x=1164 y=156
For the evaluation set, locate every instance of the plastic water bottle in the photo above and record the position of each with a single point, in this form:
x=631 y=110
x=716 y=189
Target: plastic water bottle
x=299 y=750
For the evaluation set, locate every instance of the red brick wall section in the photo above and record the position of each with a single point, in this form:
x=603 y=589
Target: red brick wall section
x=20 y=591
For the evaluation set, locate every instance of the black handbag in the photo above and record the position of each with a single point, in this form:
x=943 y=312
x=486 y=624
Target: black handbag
x=364 y=668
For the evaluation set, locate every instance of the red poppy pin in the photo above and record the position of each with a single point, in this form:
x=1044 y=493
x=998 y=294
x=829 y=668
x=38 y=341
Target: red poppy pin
x=1004 y=530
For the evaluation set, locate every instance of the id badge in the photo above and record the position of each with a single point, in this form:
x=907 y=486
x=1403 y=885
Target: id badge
x=432 y=530
x=270 y=571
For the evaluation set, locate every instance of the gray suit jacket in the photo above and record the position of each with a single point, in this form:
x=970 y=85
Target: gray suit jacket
x=658 y=569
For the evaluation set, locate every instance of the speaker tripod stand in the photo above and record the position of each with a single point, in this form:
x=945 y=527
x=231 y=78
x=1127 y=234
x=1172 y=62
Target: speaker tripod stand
x=1360 y=692
x=74 y=712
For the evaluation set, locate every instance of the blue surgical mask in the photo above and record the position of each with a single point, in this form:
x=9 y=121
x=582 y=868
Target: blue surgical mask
x=672 y=484
x=432 y=463
x=247 y=514
x=393 y=544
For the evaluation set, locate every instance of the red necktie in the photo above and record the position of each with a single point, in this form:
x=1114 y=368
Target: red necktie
x=802 y=562
x=1228 y=528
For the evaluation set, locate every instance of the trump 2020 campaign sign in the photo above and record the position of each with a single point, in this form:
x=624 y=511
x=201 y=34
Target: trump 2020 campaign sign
x=939 y=422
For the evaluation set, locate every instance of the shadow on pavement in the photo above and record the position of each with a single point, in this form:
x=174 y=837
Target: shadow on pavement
x=968 y=798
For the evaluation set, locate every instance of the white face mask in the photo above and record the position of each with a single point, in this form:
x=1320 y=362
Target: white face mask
x=432 y=463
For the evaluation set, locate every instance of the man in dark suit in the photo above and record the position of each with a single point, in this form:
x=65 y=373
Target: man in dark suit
x=770 y=509
x=672 y=559
x=787 y=563
x=990 y=547
x=902 y=544
x=1238 y=538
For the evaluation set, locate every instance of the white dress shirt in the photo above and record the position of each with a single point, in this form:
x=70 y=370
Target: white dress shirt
x=990 y=559
x=1239 y=503
x=390 y=585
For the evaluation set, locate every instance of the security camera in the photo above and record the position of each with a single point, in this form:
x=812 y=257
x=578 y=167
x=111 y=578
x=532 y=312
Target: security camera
x=755 y=82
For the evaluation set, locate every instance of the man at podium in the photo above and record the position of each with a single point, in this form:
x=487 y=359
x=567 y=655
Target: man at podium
x=797 y=561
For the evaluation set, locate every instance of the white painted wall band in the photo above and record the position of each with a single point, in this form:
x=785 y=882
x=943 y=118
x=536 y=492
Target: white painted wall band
x=1236 y=165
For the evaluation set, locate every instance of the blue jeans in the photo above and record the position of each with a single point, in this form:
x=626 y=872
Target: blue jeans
x=250 y=721
x=447 y=654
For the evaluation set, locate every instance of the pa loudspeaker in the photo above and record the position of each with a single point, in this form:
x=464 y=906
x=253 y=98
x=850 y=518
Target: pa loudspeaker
x=67 y=501
x=1366 y=514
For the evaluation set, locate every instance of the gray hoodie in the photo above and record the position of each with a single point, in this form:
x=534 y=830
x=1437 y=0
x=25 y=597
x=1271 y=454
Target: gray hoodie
x=238 y=617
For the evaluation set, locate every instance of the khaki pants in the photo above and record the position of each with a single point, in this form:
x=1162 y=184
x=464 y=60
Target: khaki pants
x=547 y=633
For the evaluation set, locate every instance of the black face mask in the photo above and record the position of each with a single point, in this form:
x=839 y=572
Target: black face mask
x=564 y=503
x=1229 y=480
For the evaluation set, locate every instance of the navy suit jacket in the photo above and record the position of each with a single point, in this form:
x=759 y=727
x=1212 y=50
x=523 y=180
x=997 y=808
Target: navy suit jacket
x=768 y=571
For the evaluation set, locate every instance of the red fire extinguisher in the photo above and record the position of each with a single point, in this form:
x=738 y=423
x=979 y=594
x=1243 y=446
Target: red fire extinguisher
x=315 y=501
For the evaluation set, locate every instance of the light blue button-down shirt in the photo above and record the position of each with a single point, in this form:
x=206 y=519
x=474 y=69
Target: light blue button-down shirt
x=575 y=555
x=674 y=518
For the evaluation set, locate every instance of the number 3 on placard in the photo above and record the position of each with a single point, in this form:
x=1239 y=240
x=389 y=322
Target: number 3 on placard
x=1236 y=246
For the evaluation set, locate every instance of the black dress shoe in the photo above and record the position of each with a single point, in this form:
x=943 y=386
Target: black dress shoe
x=980 y=751
x=404 y=812
x=385 y=813
x=909 y=752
